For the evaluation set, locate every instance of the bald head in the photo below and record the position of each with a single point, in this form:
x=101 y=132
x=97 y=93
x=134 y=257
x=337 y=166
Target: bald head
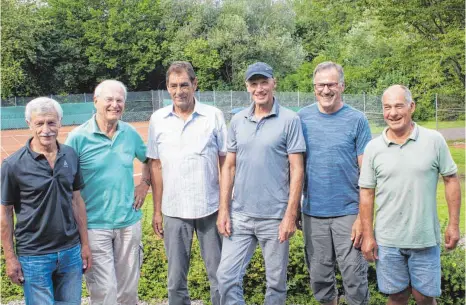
x=397 y=91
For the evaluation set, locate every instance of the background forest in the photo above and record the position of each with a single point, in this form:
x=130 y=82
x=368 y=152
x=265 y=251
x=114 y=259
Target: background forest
x=67 y=46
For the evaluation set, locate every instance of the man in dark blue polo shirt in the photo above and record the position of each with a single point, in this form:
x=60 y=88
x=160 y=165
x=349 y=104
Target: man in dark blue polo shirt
x=40 y=184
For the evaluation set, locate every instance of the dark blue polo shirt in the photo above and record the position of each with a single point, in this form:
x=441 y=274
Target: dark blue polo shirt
x=42 y=199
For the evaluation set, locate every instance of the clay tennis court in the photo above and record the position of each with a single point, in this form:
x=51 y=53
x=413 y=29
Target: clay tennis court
x=14 y=139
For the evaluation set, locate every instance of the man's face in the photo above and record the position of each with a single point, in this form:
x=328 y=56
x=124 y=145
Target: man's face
x=328 y=89
x=110 y=103
x=181 y=89
x=44 y=127
x=396 y=111
x=261 y=89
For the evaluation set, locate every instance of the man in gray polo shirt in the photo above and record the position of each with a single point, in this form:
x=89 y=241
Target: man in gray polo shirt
x=404 y=164
x=41 y=184
x=265 y=164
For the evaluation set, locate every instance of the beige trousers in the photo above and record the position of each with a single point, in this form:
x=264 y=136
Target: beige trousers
x=116 y=263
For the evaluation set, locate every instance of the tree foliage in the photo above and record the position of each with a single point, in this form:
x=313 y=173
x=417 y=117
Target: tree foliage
x=67 y=46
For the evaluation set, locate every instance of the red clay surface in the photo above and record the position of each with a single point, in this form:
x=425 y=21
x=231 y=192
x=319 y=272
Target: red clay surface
x=12 y=140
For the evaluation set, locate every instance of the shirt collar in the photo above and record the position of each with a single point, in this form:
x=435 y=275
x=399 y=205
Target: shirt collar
x=274 y=112
x=36 y=155
x=199 y=109
x=413 y=136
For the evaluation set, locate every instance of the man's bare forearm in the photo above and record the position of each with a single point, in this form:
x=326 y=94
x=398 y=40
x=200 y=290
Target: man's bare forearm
x=145 y=175
x=155 y=167
x=6 y=220
x=226 y=181
x=366 y=210
x=296 y=184
x=80 y=216
x=453 y=198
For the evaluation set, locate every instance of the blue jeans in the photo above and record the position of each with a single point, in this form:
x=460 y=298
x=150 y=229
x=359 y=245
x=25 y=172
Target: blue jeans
x=237 y=251
x=53 y=278
x=398 y=268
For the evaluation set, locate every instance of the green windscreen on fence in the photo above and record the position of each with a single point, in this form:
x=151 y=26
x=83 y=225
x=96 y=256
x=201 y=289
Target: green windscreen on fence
x=73 y=114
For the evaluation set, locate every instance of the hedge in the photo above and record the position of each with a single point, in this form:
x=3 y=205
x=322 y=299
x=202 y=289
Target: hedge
x=153 y=281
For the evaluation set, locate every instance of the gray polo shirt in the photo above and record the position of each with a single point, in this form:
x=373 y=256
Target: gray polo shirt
x=41 y=197
x=406 y=178
x=262 y=179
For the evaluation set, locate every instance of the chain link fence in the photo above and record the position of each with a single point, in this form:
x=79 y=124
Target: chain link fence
x=140 y=105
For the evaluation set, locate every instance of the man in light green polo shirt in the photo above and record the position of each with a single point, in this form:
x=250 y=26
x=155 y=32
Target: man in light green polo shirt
x=106 y=148
x=403 y=164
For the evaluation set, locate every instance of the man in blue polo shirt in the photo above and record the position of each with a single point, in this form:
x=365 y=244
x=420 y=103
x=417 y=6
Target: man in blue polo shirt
x=106 y=148
x=41 y=184
x=265 y=164
x=336 y=135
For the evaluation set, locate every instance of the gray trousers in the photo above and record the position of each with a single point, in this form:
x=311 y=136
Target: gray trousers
x=326 y=241
x=178 y=237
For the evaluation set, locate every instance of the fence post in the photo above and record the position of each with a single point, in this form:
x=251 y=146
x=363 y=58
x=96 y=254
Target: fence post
x=364 y=101
x=15 y=101
x=160 y=98
x=214 y=98
x=436 y=111
x=231 y=100
x=298 y=98
x=85 y=98
x=152 y=99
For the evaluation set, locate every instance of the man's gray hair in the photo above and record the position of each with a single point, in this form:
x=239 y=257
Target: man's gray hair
x=43 y=105
x=100 y=87
x=408 y=95
x=330 y=65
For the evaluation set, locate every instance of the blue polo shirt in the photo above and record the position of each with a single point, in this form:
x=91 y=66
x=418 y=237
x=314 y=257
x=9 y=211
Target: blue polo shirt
x=107 y=169
x=334 y=142
x=262 y=179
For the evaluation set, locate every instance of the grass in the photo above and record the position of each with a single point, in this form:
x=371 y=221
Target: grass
x=458 y=155
x=376 y=128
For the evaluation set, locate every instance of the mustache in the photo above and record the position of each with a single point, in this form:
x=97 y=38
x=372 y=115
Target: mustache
x=48 y=134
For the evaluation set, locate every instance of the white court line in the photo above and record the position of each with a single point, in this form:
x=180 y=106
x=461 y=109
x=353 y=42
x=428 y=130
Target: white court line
x=9 y=154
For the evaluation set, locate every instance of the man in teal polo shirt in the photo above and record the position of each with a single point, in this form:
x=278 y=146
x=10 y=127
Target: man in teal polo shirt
x=404 y=164
x=106 y=148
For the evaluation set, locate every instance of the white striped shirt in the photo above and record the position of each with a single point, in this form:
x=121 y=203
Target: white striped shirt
x=188 y=151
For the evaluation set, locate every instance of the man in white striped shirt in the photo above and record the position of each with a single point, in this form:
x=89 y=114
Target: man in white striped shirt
x=186 y=146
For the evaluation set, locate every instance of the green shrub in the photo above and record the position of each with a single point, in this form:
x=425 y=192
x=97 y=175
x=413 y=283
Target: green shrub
x=153 y=283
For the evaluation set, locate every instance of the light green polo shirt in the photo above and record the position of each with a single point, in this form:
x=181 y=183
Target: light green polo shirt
x=107 y=169
x=405 y=177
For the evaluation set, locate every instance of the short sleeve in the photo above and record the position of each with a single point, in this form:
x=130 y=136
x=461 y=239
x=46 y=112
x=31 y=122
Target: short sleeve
x=152 y=149
x=446 y=164
x=367 y=178
x=78 y=182
x=363 y=135
x=10 y=188
x=295 y=138
x=221 y=134
x=140 y=147
x=231 y=137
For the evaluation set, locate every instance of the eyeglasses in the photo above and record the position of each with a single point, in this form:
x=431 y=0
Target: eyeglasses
x=330 y=86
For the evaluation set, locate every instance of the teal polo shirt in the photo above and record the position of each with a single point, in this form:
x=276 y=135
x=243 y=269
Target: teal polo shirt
x=107 y=169
x=405 y=177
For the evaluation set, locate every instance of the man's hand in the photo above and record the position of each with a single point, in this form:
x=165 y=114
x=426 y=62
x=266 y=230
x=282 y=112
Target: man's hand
x=223 y=223
x=356 y=233
x=369 y=249
x=13 y=271
x=86 y=256
x=140 y=193
x=452 y=236
x=287 y=228
x=157 y=225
